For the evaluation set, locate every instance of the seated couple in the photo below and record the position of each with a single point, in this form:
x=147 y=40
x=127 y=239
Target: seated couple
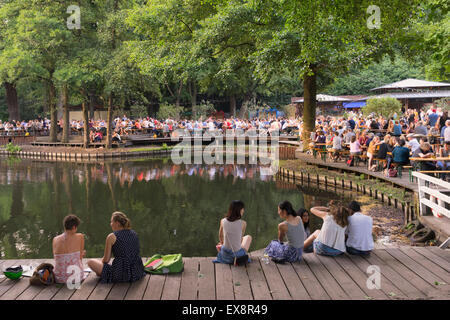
x=123 y=243
x=339 y=223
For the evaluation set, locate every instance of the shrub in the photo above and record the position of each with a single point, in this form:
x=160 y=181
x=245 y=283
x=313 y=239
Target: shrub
x=167 y=111
x=385 y=107
x=12 y=148
x=204 y=110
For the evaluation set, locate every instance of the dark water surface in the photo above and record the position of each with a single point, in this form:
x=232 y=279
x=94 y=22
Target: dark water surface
x=174 y=209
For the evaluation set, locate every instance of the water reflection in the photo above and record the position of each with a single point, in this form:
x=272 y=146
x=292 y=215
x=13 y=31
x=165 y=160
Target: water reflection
x=174 y=208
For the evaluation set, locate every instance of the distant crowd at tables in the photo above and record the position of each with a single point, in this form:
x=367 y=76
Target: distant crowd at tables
x=418 y=138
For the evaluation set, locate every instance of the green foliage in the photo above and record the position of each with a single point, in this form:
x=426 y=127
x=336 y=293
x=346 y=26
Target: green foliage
x=385 y=107
x=204 y=109
x=167 y=111
x=12 y=148
x=443 y=103
x=289 y=110
x=361 y=79
x=138 y=111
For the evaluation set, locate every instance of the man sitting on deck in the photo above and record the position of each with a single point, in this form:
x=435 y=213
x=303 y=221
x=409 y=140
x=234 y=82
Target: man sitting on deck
x=359 y=231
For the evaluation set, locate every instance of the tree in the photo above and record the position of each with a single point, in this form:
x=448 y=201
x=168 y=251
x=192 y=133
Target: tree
x=385 y=107
x=315 y=38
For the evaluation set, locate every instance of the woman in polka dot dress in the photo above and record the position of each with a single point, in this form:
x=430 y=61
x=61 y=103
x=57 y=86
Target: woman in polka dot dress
x=123 y=243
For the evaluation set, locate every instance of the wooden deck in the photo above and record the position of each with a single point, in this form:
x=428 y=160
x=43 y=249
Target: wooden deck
x=406 y=273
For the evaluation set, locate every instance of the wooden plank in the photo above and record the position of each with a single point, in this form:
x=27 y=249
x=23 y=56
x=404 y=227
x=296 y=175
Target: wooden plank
x=387 y=286
x=189 y=277
x=101 y=291
x=32 y=291
x=118 y=291
x=406 y=273
x=398 y=280
x=224 y=282
x=172 y=285
x=258 y=282
x=137 y=289
x=433 y=257
x=443 y=253
x=327 y=281
x=346 y=283
x=87 y=286
x=275 y=282
x=5 y=283
x=241 y=283
x=17 y=287
x=430 y=265
x=292 y=281
x=206 y=280
x=359 y=277
x=154 y=287
x=309 y=280
x=426 y=274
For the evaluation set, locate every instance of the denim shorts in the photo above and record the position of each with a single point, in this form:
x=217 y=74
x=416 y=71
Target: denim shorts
x=354 y=251
x=324 y=250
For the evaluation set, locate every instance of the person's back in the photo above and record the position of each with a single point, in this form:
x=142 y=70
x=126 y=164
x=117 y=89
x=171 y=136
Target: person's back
x=397 y=130
x=332 y=234
x=359 y=232
x=295 y=234
x=432 y=118
x=68 y=250
x=382 y=151
x=232 y=234
x=400 y=154
x=421 y=129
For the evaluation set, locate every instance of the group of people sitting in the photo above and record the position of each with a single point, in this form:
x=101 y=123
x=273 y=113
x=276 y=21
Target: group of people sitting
x=345 y=229
x=394 y=141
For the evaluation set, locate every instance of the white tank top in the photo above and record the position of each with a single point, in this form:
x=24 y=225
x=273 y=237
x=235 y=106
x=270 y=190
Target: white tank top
x=332 y=234
x=232 y=234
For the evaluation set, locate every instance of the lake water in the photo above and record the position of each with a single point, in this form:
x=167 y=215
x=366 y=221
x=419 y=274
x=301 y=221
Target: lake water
x=174 y=209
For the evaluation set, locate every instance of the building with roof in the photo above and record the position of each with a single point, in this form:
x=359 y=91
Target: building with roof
x=412 y=93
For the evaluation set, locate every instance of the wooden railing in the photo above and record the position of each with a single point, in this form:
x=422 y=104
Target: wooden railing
x=431 y=195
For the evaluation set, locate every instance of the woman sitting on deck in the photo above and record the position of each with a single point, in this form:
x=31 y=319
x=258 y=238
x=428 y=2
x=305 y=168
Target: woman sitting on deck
x=294 y=230
x=330 y=241
x=123 y=243
x=304 y=214
x=68 y=250
x=232 y=244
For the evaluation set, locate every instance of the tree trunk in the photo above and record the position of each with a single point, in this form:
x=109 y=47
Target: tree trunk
x=85 y=125
x=91 y=106
x=233 y=105
x=109 y=123
x=309 y=107
x=194 y=99
x=12 y=101
x=53 y=113
x=178 y=97
x=66 y=126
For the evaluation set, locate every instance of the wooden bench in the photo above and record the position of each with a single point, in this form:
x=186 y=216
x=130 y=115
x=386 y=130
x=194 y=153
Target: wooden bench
x=379 y=162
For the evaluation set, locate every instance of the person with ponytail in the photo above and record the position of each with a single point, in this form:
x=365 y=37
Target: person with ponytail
x=292 y=228
x=123 y=243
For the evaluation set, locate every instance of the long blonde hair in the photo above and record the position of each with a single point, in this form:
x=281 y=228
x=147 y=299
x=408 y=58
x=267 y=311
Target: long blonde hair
x=121 y=218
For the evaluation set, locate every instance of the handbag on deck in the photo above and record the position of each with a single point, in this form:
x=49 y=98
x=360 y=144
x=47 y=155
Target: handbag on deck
x=43 y=275
x=172 y=263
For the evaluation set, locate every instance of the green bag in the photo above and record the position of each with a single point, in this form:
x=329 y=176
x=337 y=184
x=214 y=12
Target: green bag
x=172 y=263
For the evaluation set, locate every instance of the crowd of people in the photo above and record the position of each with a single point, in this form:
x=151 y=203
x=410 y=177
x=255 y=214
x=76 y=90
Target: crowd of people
x=414 y=134
x=344 y=229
